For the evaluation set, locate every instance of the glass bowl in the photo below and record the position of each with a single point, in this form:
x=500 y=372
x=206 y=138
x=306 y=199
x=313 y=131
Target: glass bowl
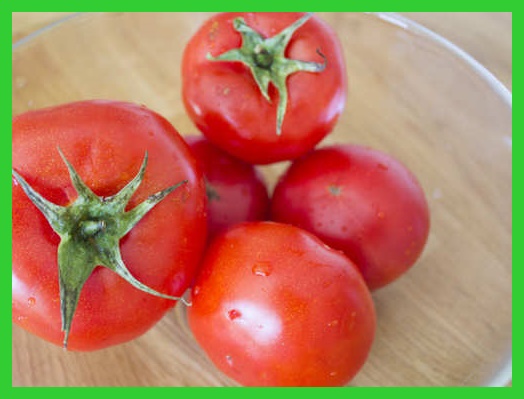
x=448 y=321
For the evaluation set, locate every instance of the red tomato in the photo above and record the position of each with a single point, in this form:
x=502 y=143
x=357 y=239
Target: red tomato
x=105 y=142
x=274 y=306
x=236 y=190
x=361 y=201
x=235 y=113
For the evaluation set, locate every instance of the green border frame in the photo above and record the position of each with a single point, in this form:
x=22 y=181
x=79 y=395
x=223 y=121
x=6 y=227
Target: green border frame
x=266 y=5
x=6 y=8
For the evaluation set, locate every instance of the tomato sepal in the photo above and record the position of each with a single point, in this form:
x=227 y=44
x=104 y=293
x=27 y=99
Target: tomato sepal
x=267 y=62
x=90 y=229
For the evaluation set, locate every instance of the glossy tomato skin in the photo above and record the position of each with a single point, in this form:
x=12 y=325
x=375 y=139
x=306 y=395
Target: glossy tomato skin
x=274 y=306
x=361 y=201
x=225 y=103
x=236 y=190
x=105 y=141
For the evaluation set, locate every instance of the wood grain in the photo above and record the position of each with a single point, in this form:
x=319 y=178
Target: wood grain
x=424 y=335
x=487 y=36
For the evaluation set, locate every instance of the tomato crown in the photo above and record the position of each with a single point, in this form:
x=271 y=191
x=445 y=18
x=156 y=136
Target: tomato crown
x=90 y=230
x=266 y=60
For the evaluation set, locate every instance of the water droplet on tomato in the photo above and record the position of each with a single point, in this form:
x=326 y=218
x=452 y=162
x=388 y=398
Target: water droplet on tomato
x=297 y=251
x=382 y=166
x=234 y=314
x=333 y=323
x=327 y=246
x=196 y=290
x=333 y=374
x=229 y=360
x=327 y=284
x=21 y=318
x=262 y=269
x=351 y=321
x=31 y=301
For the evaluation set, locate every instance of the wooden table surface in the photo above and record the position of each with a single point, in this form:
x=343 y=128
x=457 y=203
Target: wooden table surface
x=485 y=36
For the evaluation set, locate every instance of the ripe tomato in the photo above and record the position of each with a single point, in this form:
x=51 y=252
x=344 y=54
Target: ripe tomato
x=234 y=105
x=358 y=200
x=105 y=142
x=274 y=306
x=236 y=190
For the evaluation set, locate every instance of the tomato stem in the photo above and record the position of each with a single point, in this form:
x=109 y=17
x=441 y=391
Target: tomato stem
x=266 y=60
x=211 y=192
x=90 y=230
x=263 y=57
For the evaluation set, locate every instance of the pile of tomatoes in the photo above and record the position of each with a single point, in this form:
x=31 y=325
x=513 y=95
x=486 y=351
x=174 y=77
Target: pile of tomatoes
x=116 y=215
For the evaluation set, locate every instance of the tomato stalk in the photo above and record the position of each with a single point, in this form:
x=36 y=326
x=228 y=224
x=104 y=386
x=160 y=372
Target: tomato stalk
x=90 y=230
x=266 y=60
x=211 y=192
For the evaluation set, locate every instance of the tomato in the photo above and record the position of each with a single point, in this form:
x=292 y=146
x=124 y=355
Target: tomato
x=274 y=306
x=358 y=200
x=236 y=190
x=227 y=91
x=105 y=144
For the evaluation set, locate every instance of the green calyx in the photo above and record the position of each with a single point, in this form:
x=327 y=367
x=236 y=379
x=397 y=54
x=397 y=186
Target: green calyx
x=211 y=192
x=267 y=62
x=90 y=230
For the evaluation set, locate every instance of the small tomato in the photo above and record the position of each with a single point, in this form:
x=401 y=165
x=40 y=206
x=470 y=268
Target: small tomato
x=236 y=190
x=358 y=200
